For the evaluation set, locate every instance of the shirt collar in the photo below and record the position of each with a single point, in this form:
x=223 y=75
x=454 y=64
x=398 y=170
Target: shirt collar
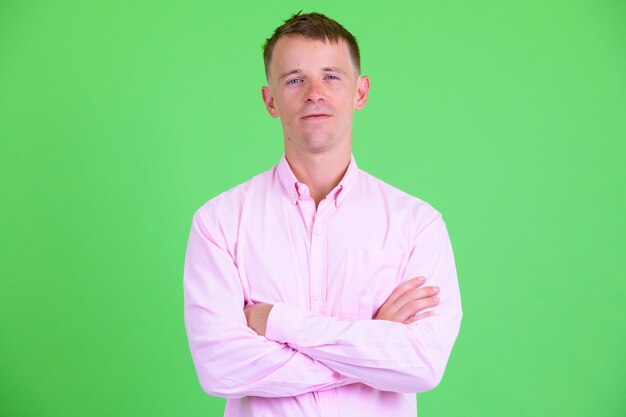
x=297 y=190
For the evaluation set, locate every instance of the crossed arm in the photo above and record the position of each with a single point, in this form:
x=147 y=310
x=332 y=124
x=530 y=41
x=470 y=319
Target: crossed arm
x=283 y=350
x=403 y=306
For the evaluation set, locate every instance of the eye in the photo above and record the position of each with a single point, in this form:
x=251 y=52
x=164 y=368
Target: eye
x=294 y=81
x=332 y=77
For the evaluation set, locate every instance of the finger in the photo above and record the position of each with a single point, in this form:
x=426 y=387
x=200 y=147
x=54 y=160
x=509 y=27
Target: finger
x=420 y=316
x=406 y=311
x=417 y=294
x=415 y=306
x=392 y=306
x=404 y=287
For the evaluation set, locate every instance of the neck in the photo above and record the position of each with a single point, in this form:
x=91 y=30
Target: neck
x=321 y=172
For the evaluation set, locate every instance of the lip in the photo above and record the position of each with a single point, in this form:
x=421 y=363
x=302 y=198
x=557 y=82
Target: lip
x=316 y=116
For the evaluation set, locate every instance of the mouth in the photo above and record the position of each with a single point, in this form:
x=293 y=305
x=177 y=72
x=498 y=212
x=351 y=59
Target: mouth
x=316 y=116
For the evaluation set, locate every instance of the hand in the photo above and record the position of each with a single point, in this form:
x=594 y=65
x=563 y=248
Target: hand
x=407 y=300
x=256 y=316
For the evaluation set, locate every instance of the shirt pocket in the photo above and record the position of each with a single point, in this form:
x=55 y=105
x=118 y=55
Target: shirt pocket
x=369 y=277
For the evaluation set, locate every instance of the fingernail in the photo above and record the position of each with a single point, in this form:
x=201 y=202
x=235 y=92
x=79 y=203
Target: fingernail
x=436 y=290
x=419 y=279
x=435 y=299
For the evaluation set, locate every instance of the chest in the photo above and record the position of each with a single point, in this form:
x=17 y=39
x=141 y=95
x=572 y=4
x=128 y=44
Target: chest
x=336 y=261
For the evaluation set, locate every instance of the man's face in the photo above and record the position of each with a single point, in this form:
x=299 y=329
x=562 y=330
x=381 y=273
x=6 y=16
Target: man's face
x=314 y=88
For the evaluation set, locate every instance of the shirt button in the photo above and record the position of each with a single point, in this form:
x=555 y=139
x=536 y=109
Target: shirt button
x=317 y=231
x=317 y=297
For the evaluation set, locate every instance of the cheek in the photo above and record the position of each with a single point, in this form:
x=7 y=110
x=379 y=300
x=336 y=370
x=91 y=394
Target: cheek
x=346 y=107
x=287 y=118
x=286 y=107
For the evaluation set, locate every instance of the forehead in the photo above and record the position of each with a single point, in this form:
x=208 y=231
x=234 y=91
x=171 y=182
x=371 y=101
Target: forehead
x=298 y=52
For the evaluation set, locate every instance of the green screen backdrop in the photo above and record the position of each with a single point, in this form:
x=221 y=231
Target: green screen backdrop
x=118 y=119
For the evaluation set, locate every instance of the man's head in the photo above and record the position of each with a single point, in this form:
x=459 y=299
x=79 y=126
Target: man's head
x=314 y=84
x=312 y=26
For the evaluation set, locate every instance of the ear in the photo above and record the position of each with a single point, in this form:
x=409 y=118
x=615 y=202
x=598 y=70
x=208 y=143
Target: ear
x=362 y=90
x=268 y=99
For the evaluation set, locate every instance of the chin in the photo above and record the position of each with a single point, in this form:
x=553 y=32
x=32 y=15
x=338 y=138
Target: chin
x=319 y=144
x=312 y=141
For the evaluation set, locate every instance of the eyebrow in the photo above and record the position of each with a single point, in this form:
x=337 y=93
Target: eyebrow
x=333 y=69
x=287 y=74
x=299 y=71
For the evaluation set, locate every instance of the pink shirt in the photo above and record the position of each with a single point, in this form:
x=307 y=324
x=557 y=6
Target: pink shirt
x=326 y=270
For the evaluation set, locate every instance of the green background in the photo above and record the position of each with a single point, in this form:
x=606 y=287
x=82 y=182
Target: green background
x=119 y=119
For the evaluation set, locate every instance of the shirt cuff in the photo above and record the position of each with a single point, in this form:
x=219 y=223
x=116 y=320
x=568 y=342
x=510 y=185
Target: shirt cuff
x=284 y=322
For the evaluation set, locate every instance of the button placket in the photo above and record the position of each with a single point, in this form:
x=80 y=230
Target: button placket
x=319 y=260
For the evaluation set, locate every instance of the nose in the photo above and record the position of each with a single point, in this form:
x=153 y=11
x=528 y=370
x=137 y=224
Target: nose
x=314 y=91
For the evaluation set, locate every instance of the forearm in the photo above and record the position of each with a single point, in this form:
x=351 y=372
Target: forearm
x=382 y=354
x=231 y=361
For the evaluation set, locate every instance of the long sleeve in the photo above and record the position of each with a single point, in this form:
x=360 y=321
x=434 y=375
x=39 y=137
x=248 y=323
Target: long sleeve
x=382 y=354
x=231 y=360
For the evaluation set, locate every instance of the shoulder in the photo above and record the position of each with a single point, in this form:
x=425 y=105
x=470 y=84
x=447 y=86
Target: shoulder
x=227 y=206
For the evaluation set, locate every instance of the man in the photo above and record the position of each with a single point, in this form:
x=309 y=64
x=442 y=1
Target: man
x=315 y=289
